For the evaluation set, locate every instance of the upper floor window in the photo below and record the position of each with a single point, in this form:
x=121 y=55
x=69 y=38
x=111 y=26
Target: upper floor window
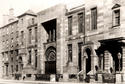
x=33 y=21
x=70 y=25
x=80 y=22
x=116 y=15
x=35 y=34
x=22 y=20
x=17 y=34
x=30 y=34
x=22 y=37
x=94 y=18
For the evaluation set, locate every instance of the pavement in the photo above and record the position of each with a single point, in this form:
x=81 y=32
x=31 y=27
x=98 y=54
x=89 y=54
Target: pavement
x=3 y=81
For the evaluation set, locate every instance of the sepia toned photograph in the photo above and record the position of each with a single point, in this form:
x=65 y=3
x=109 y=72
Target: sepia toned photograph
x=62 y=41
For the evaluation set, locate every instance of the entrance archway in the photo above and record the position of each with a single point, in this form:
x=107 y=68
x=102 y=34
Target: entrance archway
x=50 y=63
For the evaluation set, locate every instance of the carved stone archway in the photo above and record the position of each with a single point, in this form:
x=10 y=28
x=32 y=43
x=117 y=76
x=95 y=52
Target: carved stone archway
x=50 y=63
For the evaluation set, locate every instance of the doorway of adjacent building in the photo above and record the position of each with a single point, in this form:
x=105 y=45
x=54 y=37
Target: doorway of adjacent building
x=88 y=60
x=114 y=47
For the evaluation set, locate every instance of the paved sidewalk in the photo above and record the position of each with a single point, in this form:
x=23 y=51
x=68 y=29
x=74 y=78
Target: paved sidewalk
x=49 y=82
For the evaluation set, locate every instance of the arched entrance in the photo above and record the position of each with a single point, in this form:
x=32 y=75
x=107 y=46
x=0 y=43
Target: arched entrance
x=50 y=63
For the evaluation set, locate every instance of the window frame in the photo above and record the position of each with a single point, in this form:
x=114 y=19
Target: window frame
x=70 y=22
x=94 y=19
x=115 y=17
x=70 y=53
x=81 y=24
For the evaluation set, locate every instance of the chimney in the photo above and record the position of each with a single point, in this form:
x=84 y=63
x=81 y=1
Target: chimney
x=11 y=12
x=5 y=19
x=11 y=15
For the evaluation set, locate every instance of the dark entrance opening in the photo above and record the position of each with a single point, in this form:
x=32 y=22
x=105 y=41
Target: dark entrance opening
x=50 y=27
x=79 y=56
x=50 y=67
x=88 y=60
x=114 y=47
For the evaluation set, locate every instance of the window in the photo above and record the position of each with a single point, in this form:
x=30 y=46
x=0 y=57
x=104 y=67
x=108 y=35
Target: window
x=80 y=22
x=29 y=61
x=116 y=17
x=69 y=52
x=32 y=20
x=16 y=68
x=12 y=39
x=35 y=58
x=12 y=68
x=22 y=37
x=70 y=25
x=94 y=18
x=11 y=59
x=17 y=34
x=22 y=20
x=30 y=35
x=17 y=52
x=35 y=34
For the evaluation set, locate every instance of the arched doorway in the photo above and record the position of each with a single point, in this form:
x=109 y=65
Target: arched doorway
x=88 y=60
x=50 y=63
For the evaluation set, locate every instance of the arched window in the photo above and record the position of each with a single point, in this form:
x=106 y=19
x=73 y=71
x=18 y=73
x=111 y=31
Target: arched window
x=116 y=15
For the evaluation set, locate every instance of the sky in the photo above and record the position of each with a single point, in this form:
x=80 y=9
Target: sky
x=20 y=6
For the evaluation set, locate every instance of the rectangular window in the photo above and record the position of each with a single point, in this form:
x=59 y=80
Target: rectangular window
x=17 y=34
x=33 y=21
x=69 y=52
x=22 y=37
x=80 y=22
x=94 y=18
x=35 y=59
x=17 y=52
x=16 y=68
x=12 y=68
x=70 y=25
x=35 y=34
x=30 y=35
x=29 y=61
x=116 y=17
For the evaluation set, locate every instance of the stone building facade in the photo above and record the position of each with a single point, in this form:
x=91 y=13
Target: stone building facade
x=85 y=42
x=15 y=46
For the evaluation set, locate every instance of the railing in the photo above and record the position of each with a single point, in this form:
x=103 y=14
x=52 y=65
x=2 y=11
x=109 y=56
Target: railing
x=45 y=77
x=80 y=75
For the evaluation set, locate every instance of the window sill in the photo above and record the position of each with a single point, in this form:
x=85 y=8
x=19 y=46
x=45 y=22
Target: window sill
x=115 y=26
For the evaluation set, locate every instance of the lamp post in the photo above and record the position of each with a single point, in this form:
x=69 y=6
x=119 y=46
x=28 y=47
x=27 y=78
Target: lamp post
x=119 y=58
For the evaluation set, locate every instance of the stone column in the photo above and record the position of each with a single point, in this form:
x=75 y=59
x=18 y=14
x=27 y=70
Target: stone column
x=84 y=67
x=49 y=35
x=123 y=63
x=108 y=61
x=123 y=59
x=54 y=35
